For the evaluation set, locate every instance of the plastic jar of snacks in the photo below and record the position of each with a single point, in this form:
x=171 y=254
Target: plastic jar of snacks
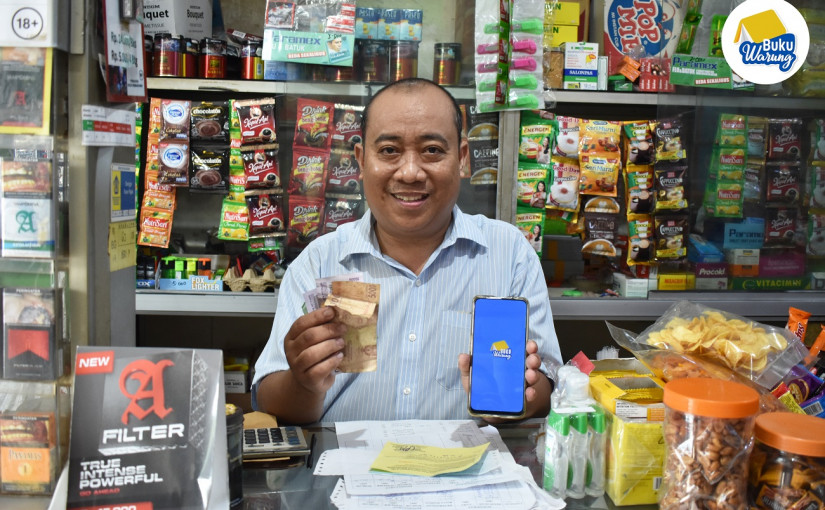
x=708 y=433
x=787 y=466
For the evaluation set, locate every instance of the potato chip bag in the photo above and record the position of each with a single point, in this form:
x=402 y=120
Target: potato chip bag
x=797 y=322
x=728 y=163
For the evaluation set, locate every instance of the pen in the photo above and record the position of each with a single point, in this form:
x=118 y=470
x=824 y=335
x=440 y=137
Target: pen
x=311 y=451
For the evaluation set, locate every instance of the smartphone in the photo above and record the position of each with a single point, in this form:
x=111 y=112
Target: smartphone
x=499 y=355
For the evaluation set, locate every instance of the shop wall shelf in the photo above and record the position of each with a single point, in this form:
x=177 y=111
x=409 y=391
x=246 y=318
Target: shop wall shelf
x=37 y=273
x=765 y=306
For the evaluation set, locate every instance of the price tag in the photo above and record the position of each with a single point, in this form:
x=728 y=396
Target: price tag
x=30 y=23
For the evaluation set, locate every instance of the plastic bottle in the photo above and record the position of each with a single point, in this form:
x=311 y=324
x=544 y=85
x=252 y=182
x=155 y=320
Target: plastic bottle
x=555 y=454
x=578 y=456
x=597 y=446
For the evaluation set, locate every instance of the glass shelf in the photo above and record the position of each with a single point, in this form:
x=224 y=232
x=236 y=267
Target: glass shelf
x=37 y=273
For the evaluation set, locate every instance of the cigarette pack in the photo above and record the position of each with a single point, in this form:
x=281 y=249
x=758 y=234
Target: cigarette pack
x=29 y=348
x=28 y=452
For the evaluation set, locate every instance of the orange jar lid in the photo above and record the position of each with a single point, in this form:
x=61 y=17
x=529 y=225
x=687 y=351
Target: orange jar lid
x=711 y=397
x=790 y=432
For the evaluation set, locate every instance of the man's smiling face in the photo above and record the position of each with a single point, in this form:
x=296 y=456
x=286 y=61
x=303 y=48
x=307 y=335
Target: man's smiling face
x=410 y=162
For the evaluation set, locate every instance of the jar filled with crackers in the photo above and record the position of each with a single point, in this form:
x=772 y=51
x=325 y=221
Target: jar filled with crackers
x=708 y=434
x=787 y=466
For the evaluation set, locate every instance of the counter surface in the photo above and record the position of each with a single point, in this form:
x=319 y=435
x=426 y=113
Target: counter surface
x=292 y=485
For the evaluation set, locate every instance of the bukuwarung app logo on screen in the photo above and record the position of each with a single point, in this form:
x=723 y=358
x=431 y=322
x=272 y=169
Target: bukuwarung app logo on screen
x=765 y=41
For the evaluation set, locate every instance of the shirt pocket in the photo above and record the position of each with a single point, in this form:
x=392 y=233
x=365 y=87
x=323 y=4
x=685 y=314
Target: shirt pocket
x=453 y=339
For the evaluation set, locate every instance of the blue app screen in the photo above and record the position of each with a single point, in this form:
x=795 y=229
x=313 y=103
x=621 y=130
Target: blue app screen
x=499 y=338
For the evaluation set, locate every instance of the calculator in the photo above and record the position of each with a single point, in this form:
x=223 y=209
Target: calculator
x=271 y=442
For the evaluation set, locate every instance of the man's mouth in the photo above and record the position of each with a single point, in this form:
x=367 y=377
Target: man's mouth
x=410 y=197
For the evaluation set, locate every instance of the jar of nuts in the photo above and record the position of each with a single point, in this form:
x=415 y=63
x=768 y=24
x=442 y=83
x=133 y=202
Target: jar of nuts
x=787 y=466
x=708 y=434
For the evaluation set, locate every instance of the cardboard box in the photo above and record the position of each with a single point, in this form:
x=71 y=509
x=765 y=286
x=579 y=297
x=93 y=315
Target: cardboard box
x=654 y=75
x=50 y=31
x=630 y=287
x=817 y=281
x=702 y=250
x=770 y=284
x=628 y=24
x=234 y=381
x=582 y=7
x=557 y=35
x=566 y=13
x=776 y=263
x=742 y=257
x=581 y=66
x=711 y=276
x=635 y=457
x=634 y=397
x=189 y=18
x=748 y=235
x=671 y=281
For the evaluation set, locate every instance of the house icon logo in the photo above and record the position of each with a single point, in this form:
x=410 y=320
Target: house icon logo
x=500 y=349
x=765 y=41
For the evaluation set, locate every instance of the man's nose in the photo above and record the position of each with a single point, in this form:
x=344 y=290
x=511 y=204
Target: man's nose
x=410 y=169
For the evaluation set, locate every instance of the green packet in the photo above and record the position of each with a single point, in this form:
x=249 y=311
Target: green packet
x=530 y=221
x=732 y=130
x=234 y=225
x=536 y=137
x=532 y=181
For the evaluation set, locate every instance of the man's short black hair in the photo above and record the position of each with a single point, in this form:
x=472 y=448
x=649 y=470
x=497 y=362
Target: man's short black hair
x=406 y=85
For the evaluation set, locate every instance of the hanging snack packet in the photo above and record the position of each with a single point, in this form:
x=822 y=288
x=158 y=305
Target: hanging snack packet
x=639 y=147
x=153 y=184
x=670 y=189
x=530 y=221
x=732 y=130
x=668 y=139
x=536 y=141
x=532 y=185
x=567 y=140
x=304 y=220
x=599 y=175
x=173 y=159
x=783 y=183
x=210 y=121
x=816 y=235
x=174 y=119
x=672 y=237
x=641 y=239
x=757 y=136
x=312 y=124
x=237 y=177
x=640 y=189
x=728 y=163
x=256 y=118
x=308 y=173
x=784 y=139
x=260 y=166
x=817 y=185
x=564 y=184
x=780 y=226
x=727 y=198
x=157 y=199
x=798 y=322
x=754 y=173
x=209 y=169
x=601 y=225
x=600 y=137
x=155 y=227
x=346 y=126
x=344 y=174
x=338 y=211
x=266 y=213
x=234 y=224
x=817 y=129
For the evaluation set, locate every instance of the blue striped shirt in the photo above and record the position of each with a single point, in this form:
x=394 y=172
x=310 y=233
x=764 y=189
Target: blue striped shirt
x=423 y=321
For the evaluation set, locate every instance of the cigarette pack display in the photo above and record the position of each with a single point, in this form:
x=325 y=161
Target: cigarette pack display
x=28 y=452
x=154 y=413
x=29 y=348
x=25 y=90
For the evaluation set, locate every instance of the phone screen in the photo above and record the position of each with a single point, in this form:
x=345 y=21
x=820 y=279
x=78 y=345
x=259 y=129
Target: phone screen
x=498 y=349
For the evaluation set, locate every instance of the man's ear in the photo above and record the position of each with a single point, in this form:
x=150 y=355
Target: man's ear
x=359 y=155
x=464 y=154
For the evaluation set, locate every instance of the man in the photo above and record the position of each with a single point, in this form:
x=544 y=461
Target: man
x=430 y=260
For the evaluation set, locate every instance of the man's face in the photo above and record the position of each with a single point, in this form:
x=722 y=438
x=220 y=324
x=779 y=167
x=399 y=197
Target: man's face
x=410 y=162
x=336 y=44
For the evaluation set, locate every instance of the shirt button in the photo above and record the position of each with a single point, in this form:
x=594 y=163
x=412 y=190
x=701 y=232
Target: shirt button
x=418 y=283
x=406 y=390
x=412 y=337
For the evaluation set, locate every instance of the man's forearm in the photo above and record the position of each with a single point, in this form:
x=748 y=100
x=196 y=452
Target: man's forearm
x=281 y=396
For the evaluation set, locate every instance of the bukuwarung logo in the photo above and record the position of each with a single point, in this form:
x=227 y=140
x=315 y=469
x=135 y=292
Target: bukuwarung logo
x=765 y=41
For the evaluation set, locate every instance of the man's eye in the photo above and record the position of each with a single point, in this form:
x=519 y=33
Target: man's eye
x=434 y=150
x=387 y=150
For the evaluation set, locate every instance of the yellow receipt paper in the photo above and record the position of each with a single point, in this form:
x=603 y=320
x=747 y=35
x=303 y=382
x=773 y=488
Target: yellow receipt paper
x=413 y=459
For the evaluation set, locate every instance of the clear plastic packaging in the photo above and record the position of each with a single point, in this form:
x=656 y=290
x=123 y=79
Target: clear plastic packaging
x=708 y=434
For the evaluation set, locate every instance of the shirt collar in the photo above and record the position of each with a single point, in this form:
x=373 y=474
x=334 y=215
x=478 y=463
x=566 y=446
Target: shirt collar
x=361 y=240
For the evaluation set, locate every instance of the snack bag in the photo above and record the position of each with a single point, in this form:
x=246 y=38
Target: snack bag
x=155 y=227
x=234 y=224
x=760 y=353
x=732 y=130
x=600 y=137
x=798 y=322
x=599 y=175
x=564 y=184
x=532 y=185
